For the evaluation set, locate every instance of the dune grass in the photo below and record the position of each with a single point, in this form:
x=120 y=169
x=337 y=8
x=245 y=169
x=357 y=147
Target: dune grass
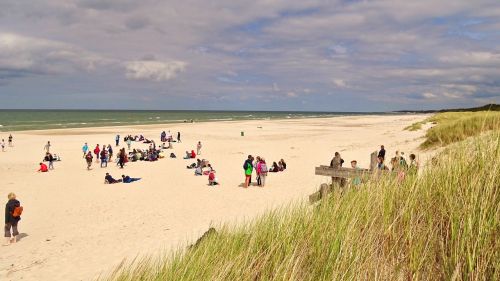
x=456 y=126
x=442 y=225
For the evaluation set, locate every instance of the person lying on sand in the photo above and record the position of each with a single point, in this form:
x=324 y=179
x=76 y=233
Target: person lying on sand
x=127 y=179
x=108 y=179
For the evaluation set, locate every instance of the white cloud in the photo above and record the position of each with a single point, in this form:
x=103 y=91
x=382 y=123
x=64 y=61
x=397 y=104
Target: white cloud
x=23 y=55
x=291 y=95
x=429 y=95
x=340 y=83
x=154 y=70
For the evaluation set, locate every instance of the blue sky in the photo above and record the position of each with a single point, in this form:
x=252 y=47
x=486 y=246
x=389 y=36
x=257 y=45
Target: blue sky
x=249 y=55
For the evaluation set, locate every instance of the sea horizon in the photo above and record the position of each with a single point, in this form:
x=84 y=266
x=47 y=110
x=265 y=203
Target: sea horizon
x=12 y=120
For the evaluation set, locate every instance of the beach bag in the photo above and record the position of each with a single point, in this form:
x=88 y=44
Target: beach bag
x=263 y=168
x=17 y=212
x=172 y=155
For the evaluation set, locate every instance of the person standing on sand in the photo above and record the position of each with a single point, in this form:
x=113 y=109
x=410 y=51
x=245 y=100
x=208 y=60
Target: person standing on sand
x=381 y=152
x=129 y=143
x=248 y=168
x=97 y=150
x=262 y=171
x=3 y=145
x=89 y=158
x=49 y=158
x=104 y=158
x=117 y=140
x=47 y=147
x=178 y=136
x=110 y=153
x=85 y=148
x=121 y=158
x=13 y=211
x=10 y=140
x=198 y=148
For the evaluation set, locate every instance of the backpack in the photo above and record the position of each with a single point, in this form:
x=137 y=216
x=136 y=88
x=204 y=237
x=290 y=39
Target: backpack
x=263 y=168
x=17 y=212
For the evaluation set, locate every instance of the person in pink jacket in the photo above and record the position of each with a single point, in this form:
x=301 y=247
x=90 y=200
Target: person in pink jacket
x=261 y=172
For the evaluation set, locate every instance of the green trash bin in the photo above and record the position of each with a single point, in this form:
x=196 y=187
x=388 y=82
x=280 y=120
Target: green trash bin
x=242 y=133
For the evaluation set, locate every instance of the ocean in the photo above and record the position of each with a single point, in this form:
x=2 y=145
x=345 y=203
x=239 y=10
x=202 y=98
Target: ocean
x=22 y=120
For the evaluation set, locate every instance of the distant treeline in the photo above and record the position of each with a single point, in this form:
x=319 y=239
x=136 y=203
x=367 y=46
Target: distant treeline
x=491 y=107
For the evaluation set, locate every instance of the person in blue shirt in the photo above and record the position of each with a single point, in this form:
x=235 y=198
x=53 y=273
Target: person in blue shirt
x=127 y=179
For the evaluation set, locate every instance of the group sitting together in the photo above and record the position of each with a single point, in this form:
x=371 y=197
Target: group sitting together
x=204 y=168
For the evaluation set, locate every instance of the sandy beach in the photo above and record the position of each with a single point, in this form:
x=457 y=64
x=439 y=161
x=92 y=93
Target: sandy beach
x=74 y=227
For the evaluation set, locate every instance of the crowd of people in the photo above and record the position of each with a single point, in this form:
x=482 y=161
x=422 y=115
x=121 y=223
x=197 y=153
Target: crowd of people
x=398 y=163
x=259 y=165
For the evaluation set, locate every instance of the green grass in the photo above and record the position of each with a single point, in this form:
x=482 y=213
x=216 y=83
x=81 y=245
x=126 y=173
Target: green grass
x=442 y=225
x=450 y=127
x=456 y=126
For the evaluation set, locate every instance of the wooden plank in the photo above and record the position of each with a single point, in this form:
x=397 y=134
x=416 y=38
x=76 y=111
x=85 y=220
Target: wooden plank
x=341 y=172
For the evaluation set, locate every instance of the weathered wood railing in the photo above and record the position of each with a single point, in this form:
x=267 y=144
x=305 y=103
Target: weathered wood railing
x=341 y=175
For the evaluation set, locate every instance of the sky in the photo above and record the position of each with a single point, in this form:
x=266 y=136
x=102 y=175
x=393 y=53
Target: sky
x=249 y=55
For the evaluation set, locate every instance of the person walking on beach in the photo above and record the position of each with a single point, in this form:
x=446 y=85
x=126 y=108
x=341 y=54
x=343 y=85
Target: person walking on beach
x=13 y=211
x=117 y=140
x=47 y=147
x=248 y=168
x=178 y=136
x=97 y=150
x=3 y=145
x=89 y=158
x=10 y=140
x=85 y=148
x=198 y=148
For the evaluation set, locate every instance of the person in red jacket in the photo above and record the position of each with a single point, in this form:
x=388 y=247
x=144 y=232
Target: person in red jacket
x=193 y=155
x=43 y=168
x=97 y=150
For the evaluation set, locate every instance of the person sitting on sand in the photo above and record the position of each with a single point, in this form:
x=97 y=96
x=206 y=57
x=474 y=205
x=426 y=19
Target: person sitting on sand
x=198 y=171
x=88 y=159
x=127 y=179
x=188 y=155
x=13 y=212
x=212 y=180
x=274 y=168
x=108 y=179
x=282 y=165
x=43 y=168
x=193 y=155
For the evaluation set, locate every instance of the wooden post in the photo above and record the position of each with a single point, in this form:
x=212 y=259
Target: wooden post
x=373 y=161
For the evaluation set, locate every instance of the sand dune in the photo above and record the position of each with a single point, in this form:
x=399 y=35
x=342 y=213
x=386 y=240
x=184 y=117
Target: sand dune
x=74 y=227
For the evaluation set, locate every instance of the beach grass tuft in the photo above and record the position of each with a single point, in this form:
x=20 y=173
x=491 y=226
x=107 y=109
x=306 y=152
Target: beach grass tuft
x=441 y=225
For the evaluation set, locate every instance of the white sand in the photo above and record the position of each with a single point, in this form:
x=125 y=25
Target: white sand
x=76 y=227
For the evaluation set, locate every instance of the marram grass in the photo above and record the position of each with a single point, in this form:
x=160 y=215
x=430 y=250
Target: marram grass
x=442 y=225
x=450 y=127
